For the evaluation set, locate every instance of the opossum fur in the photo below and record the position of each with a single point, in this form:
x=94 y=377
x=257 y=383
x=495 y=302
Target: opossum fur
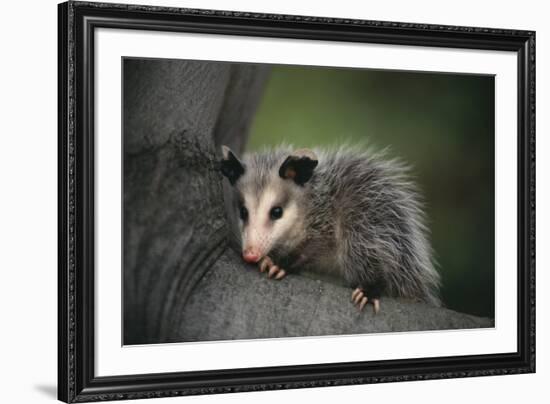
x=349 y=212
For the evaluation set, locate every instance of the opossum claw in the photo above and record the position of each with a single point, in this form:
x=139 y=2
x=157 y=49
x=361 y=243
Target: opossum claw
x=281 y=274
x=358 y=295
x=363 y=303
x=376 y=304
x=360 y=300
x=265 y=263
x=272 y=271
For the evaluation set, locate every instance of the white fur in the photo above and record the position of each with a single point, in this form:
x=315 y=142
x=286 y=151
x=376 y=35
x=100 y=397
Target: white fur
x=260 y=232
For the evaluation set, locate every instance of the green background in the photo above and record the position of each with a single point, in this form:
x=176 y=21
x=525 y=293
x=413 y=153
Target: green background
x=441 y=124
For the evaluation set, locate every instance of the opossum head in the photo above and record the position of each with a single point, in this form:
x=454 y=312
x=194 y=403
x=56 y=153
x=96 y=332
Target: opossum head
x=271 y=198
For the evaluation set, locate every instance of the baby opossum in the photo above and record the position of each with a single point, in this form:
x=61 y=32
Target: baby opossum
x=350 y=213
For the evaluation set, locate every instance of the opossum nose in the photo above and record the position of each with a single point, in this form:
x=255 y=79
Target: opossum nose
x=251 y=256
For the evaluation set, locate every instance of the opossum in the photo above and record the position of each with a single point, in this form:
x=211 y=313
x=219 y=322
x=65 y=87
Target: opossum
x=349 y=212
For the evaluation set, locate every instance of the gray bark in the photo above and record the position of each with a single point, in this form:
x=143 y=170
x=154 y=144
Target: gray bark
x=182 y=282
x=242 y=303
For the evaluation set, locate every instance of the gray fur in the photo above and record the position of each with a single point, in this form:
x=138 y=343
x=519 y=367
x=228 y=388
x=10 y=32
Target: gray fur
x=363 y=220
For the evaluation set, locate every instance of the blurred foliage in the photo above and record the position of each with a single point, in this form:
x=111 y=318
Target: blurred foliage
x=442 y=124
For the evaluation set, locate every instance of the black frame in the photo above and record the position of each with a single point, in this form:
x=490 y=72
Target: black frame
x=77 y=22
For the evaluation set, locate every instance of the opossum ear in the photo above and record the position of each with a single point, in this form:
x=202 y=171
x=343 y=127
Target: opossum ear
x=299 y=166
x=231 y=166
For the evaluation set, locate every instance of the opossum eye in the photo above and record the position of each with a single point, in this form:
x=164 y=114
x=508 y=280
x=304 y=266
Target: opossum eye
x=276 y=213
x=244 y=213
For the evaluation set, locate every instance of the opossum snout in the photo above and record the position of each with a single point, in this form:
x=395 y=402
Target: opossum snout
x=251 y=256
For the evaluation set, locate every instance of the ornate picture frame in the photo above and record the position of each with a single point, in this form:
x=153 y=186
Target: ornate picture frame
x=77 y=289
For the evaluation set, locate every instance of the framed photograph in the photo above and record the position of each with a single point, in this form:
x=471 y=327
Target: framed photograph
x=255 y=201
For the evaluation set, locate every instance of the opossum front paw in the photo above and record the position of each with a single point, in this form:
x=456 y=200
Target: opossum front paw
x=360 y=299
x=273 y=271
